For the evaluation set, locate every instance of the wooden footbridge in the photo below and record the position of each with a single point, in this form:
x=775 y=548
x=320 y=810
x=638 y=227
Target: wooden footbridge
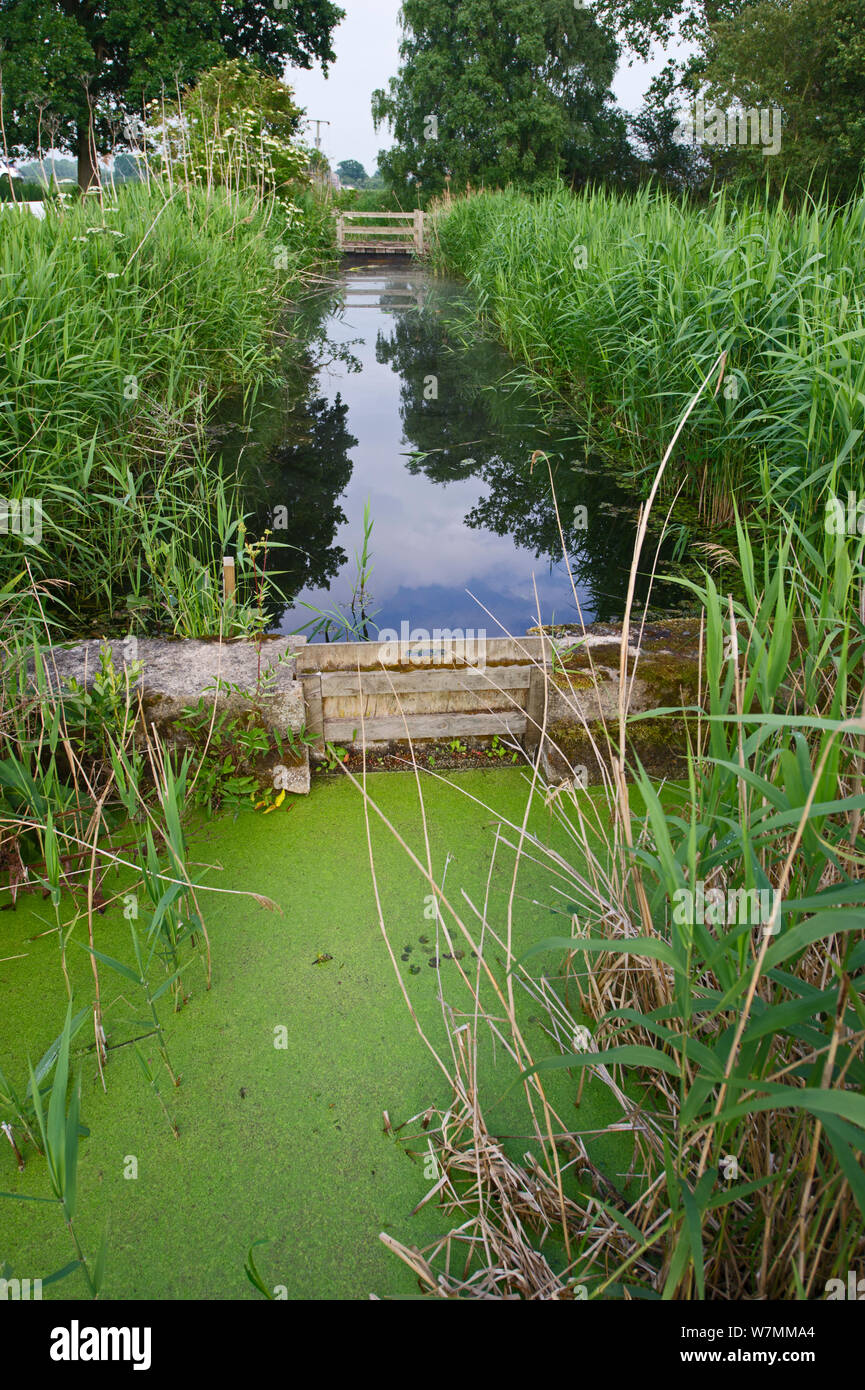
x=363 y=233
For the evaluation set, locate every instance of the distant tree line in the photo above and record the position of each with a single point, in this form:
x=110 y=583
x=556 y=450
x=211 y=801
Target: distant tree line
x=352 y=174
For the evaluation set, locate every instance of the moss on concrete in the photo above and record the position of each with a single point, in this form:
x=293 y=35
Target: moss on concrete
x=663 y=672
x=658 y=743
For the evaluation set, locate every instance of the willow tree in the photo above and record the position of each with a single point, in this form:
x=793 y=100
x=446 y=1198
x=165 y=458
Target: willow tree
x=499 y=91
x=73 y=71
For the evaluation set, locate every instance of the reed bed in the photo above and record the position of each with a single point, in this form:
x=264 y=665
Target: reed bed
x=618 y=306
x=125 y=322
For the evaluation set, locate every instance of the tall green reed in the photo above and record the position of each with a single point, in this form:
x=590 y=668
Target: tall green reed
x=124 y=325
x=620 y=304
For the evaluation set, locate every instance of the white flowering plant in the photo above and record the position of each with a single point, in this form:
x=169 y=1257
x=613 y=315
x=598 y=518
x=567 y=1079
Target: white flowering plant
x=236 y=127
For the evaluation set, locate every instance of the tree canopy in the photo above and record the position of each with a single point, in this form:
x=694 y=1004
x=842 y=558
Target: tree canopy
x=496 y=91
x=807 y=57
x=73 y=70
x=804 y=57
x=351 y=171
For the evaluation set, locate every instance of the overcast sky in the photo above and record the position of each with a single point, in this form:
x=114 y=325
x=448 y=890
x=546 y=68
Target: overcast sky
x=367 y=54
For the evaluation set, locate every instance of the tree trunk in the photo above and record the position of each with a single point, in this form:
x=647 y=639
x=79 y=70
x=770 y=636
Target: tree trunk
x=86 y=170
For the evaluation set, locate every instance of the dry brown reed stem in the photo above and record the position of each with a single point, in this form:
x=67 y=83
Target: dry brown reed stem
x=502 y=1207
x=99 y=1034
x=828 y=1068
x=642 y=525
x=522 y=1052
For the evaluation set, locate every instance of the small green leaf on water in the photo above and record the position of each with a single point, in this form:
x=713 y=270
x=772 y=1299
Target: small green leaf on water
x=251 y=1270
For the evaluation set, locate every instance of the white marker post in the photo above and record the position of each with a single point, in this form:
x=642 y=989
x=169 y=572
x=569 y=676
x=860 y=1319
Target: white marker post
x=229 y=580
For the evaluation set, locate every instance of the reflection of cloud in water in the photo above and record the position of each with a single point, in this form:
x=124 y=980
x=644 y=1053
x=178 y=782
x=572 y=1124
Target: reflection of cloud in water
x=452 y=500
x=512 y=611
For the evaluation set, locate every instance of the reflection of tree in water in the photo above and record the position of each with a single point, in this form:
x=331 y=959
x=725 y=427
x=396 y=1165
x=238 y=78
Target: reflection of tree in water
x=474 y=423
x=293 y=458
x=297 y=485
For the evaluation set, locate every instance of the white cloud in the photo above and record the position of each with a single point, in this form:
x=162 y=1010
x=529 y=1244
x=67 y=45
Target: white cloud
x=366 y=44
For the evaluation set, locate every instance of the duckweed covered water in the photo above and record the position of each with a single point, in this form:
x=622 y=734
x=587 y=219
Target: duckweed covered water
x=279 y=1143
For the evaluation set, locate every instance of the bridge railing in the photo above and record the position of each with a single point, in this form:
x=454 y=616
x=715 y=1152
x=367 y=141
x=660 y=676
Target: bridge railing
x=355 y=231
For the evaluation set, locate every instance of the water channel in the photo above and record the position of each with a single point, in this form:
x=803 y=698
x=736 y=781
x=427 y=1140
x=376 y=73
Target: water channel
x=413 y=412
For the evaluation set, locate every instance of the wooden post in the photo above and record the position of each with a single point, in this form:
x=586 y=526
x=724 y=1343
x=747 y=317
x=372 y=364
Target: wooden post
x=229 y=579
x=535 y=710
x=314 y=708
x=340 y=232
x=418 y=231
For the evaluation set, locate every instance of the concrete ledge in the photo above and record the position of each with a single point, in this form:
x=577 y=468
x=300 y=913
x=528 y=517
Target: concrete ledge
x=177 y=667
x=289 y=687
x=174 y=674
x=583 y=696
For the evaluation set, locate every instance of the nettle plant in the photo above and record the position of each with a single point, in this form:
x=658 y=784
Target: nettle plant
x=235 y=127
x=107 y=709
x=230 y=745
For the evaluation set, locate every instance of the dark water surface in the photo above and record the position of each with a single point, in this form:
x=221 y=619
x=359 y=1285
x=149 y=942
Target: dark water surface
x=414 y=412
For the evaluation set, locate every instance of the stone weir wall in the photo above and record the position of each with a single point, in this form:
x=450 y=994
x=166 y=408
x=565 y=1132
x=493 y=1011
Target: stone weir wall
x=555 y=687
x=248 y=681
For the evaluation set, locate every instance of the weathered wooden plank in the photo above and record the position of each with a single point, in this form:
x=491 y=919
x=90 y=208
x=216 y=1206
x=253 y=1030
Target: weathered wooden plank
x=380 y=248
x=450 y=702
x=353 y=297
x=456 y=725
x=352 y=232
x=447 y=652
x=355 y=216
x=314 y=709
x=439 y=680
